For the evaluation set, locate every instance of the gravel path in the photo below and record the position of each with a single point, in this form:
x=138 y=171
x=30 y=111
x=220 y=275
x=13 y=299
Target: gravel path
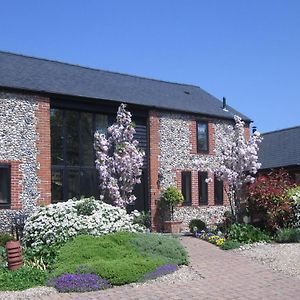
x=280 y=257
x=28 y=294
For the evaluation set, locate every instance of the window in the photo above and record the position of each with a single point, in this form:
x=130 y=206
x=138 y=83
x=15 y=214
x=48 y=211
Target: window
x=219 y=196
x=203 y=188
x=4 y=185
x=186 y=187
x=72 y=153
x=202 y=137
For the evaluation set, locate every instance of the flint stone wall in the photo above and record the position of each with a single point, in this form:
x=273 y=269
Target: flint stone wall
x=18 y=136
x=175 y=154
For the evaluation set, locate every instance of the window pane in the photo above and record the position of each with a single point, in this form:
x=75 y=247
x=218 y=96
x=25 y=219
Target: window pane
x=202 y=132
x=73 y=183
x=88 y=184
x=72 y=137
x=218 y=191
x=57 y=137
x=101 y=123
x=186 y=187
x=4 y=184
x=203 y=188
x=87 y=139
x=57 y=186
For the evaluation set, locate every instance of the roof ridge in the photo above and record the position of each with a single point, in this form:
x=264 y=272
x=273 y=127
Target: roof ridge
x=95 y=69
x=283 y=129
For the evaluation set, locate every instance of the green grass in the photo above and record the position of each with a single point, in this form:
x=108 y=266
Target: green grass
x=21 y=279
x=120 y=257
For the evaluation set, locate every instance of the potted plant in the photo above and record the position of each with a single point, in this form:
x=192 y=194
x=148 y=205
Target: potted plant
x=172 y=197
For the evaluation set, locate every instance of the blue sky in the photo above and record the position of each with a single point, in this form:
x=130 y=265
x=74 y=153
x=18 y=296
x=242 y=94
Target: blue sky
x=248 y=51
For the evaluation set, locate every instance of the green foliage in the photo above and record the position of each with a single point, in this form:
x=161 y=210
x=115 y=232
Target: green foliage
x=230 y=244
x=288 y=235
x=167 y=248
x=4 y=238
x=143 y=219
x=246 y=233
x=172 y=196
x=2 y=257
x=41 y=257
x=198 y=224
x=112 y=257
x=23 y=278
x=86 y=207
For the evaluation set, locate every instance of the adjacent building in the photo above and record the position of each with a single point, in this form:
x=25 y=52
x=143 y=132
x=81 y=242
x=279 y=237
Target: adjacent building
x=50 y=110
x=281 y=149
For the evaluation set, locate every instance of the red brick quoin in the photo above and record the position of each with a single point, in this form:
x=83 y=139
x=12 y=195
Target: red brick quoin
x=154 y=164
x=44 y=149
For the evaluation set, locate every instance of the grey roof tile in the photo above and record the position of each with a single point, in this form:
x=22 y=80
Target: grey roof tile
x=42 y=75
x=280 y=148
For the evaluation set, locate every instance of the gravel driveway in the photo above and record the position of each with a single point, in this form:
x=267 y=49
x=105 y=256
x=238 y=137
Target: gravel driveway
x=280 y=257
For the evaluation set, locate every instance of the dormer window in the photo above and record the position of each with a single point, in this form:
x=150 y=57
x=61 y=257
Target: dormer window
x=4 y=185
x=202 y=137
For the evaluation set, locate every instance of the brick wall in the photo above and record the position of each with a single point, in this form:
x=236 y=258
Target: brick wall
x=44 y=150
x=154 y=153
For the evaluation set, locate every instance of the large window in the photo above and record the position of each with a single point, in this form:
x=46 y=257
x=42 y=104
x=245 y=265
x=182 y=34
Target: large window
x=186 y=187
x=4 y=185
x=202 y=136
x=219 y=194
x=72 y=153
x=203 y=188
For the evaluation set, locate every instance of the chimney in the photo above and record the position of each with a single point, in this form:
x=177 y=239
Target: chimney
x=224 y=103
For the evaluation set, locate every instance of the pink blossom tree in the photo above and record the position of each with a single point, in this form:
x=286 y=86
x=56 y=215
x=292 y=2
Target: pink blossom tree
x=238 y=162
x=119 y=161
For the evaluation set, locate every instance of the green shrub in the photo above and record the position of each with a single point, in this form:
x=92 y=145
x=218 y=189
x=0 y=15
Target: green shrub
x=167 y=248
x=199 y=224
x=246 y=233
x=230 y=244
x=21 y=279
x=143 y=219
x=86 y=207
x=112 y=257
x=288 y=235
x=2 y=257
x=41 y=257
x=172 y=196
x=4 y=238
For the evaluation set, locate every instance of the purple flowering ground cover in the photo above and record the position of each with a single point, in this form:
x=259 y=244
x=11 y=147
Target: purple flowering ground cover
x=160 y=271
x=67 y=283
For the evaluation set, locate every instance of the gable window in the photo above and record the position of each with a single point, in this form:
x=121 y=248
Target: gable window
x=203 y=188
x=186 y=187
x=4 y=185
x=202 y=136
x=219 y=195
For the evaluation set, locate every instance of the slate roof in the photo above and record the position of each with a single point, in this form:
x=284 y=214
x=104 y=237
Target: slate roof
x=280 y=148
x=53 y=77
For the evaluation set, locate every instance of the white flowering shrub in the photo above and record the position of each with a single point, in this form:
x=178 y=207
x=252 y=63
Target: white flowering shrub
x=294 y=195
x=56 y=223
